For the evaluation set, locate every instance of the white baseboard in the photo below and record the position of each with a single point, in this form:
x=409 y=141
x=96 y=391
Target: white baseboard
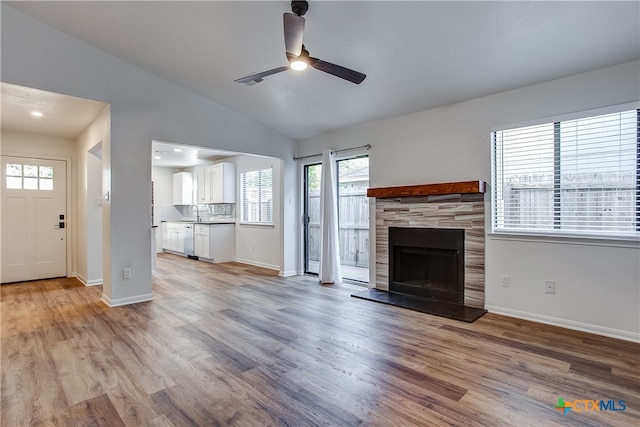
x=126 y=301
x=258 y=264
x=82 y=279
x=86 y=282
x=287 y=273
x=568 y=324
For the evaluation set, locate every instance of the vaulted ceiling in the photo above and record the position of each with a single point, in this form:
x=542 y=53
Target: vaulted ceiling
x=416 y=55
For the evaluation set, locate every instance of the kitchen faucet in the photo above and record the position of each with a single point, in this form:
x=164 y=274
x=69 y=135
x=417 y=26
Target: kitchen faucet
x=197 y=213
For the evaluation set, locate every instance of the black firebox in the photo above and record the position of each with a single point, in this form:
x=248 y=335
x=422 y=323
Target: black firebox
x=427 y=262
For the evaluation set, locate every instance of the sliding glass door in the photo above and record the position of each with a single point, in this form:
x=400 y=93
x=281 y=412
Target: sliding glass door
x=353 y=217
x=312 y=175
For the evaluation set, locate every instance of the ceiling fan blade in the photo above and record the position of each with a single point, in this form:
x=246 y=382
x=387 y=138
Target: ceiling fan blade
x=257 y=77
x=293 y=33
x=337 y=70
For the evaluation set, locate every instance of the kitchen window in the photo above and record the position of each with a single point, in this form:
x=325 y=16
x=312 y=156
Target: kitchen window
x=256 y=189
x=576 y=177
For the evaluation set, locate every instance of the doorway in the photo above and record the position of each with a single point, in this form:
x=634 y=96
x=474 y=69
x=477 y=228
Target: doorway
x=353 y=218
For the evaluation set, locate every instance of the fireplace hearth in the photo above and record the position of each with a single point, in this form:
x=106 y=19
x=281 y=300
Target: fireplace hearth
x=430 y=248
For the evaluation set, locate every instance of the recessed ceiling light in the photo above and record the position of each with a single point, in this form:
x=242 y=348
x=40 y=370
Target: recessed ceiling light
x=157 y=157
x=177 y=150
x=36 y=114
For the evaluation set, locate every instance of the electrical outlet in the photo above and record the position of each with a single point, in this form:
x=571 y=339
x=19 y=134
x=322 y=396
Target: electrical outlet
x=549 y=287
x=506 y=281
x=126 y=273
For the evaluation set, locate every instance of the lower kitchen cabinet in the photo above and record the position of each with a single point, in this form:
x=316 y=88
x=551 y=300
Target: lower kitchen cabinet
x=201 y=241
x=173 y=237
x=215 y=242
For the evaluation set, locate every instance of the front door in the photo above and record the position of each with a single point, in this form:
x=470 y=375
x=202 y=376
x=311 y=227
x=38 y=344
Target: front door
x=34 y=219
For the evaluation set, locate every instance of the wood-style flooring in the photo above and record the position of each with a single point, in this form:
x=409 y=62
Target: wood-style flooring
x=230 y=344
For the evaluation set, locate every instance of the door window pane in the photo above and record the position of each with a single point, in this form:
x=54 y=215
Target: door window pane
x=353 y=218
x=30 y=170
x=14 y=169
x=14 y=182
x=46 y=172
x=46 y=184
x=312 y=207
x=30 y=183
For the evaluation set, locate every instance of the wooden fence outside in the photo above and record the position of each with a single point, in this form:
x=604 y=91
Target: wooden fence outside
x=353 y=230
x=596 y=202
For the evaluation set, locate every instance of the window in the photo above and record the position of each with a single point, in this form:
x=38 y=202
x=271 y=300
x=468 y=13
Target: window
x=29 y=177
x=257 y=190
x=573 y=177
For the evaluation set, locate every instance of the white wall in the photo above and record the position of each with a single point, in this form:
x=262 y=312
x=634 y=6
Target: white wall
x=143 y=108
x=597 y=285
x=32 y=145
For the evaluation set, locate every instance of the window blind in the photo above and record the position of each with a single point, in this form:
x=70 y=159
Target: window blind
x=257 y=196
x=569 y=177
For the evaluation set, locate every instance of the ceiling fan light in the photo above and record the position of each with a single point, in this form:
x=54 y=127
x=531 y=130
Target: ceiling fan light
x=298 y=65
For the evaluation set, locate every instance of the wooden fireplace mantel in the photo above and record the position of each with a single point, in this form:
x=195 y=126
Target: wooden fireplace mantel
x=465 y=187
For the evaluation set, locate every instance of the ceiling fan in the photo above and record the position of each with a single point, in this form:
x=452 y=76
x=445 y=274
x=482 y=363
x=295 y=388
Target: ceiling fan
x=298 y=55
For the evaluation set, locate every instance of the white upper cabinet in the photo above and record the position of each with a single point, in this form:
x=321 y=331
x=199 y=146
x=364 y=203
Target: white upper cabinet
x=203 y=185
x=183 y=188
x=215 y=184
x=223 y=183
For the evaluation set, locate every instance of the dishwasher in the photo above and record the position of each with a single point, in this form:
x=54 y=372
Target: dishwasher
x=188 y=241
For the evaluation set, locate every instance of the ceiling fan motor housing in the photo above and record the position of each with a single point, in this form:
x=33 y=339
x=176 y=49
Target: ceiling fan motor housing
x=299 y=7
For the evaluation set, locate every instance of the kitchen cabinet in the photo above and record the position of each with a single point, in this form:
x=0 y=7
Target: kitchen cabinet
x=183 y=188
x=201 y=241
x=200 y=184
x=173 y=237
x=203 y=185
x=223 y=183
x=216 y=183
x=215 y=242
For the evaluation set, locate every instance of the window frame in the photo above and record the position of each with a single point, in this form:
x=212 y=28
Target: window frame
x=570 y=235
x=241 y=221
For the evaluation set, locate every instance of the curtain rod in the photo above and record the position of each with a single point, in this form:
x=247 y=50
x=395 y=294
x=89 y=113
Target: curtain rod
x=367 y=146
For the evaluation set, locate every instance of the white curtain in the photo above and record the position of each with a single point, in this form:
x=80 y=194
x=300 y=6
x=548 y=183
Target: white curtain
x=329 y=271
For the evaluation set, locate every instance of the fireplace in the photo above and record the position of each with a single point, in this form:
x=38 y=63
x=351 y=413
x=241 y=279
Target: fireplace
x=429 y=248
x=427 y=262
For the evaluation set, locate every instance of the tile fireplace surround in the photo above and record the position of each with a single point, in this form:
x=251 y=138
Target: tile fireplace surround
x=457 y=205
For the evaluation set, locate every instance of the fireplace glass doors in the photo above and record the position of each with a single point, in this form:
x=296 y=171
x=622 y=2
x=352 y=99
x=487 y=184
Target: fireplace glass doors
x=427 y=262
